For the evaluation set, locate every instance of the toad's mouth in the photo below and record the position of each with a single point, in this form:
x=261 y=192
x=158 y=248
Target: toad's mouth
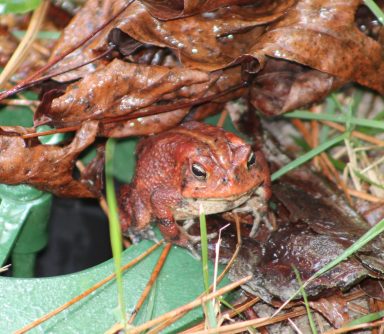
x=190 y=207
x=227 y=198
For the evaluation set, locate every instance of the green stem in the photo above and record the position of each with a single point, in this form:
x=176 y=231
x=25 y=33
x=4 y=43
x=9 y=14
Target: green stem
x=308 y=156
x=375 y=10
x=336 y=118
x=114 y=224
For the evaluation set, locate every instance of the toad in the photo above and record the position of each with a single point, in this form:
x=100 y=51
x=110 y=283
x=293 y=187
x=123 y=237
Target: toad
x=192 y=167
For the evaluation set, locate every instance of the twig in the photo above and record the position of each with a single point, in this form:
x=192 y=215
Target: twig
x=261 y=322
x=72 y=68
x=219 y=279
x=223 y=117
x=295 y=326
x=152 y=279
x=353 y=328
x=15 y=102
x=356 y=134
x=49 y=315
x=228 y=313
x=5 y=268
x=327 y=167
x=271 y=320
x=144 y=112
x=195 y=303
x=358 y=308
x=365 y=196
x=21 y=51
x=55 y=60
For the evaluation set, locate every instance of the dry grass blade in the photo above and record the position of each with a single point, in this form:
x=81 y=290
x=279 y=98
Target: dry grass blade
x=219 y=279
x=260 y=322
x=86 y=293
x=20 y=86
x=327 y=168
x=228 y=313
x=20 y=102
x=354 y=328
x=21 y=51
x=152 y=279
x=5 y=268
x=242 y=326
x=222 y=118
x=357 y=134
x=195 y=303
x=365 y=196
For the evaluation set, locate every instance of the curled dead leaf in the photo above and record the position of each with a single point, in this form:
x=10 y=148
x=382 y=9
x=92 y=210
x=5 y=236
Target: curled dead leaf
x=45 y=167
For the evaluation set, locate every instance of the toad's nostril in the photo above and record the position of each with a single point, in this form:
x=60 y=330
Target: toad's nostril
x=225 y=179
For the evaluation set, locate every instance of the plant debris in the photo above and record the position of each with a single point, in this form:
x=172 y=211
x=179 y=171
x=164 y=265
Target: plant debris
x=46 y=167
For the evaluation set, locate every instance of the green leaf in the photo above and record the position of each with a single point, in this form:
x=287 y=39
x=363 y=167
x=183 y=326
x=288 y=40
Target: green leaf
x=179 y=282
x=18 y=6
x=41 y=34
x=16 y=115
x=124 y=160
x=53 y=139
x=366 y=318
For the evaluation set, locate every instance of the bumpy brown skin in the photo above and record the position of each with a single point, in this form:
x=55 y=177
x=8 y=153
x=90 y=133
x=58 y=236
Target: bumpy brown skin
x=165 y=186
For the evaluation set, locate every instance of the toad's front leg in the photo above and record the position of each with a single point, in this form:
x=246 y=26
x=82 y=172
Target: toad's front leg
x=163 y=202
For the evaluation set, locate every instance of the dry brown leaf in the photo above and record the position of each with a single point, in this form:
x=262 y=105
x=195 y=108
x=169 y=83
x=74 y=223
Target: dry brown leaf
x=120 y=88
x=333 y=308
x=282 y=86
x=170 y=9
x=206 y=41
x=323 y=35
x=45 y=167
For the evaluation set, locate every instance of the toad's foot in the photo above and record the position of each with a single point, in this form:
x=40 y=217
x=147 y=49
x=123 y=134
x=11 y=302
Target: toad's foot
x=195 y=238
x=136 y=235
x=177 y=235
x=258 y=209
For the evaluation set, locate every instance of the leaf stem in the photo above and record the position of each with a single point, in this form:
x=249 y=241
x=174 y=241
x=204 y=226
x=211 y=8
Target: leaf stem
x=114 y=224
x=375 y=10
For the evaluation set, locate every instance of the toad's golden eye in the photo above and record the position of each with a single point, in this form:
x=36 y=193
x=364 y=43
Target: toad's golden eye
x=198 y=171
x=251 y=160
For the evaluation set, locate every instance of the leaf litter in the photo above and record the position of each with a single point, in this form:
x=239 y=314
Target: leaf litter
x=289 y=54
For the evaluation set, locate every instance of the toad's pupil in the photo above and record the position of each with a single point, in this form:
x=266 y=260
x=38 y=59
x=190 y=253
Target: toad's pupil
x=199 y=171
x=251 y=160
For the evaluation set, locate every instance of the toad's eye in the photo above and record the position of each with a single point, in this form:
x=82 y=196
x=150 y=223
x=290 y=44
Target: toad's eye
x=199 y=171
x=251 y=160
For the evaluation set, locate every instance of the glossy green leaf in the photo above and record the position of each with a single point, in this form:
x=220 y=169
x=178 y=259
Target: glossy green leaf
x=41 y=34
x=18 y=6
x=24 y=300
x=51 y=139
x=24 y=211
